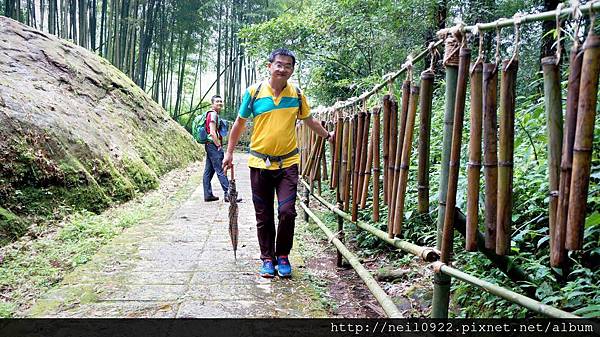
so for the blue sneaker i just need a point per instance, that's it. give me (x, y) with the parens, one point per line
(267, 270)
(284, 269)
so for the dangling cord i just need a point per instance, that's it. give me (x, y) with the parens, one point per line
(390, 87)
(515, 56)
(498, 57)
(479, 58)
(576, 14)
(558, 29)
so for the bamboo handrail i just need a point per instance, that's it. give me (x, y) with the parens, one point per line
(511, 296)
(389, 78)
(430, 254)
(503, 22)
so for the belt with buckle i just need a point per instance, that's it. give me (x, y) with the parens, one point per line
(269, 159)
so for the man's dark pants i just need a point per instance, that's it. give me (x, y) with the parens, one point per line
(265, 183)
(214, 164)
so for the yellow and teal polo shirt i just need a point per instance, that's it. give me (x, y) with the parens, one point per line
(274, 131)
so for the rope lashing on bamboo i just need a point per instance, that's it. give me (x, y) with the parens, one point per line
(452, 46)
(576, 15)
(408, 65)
(517, 43)
(503, 22)
(434, 55)
(480, 55)
(497, 55)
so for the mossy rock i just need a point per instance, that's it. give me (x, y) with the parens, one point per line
(77, 134)
(11, 226)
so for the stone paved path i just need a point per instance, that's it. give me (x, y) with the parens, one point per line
(182, 267)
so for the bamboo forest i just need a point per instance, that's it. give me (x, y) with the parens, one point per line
(429, 159)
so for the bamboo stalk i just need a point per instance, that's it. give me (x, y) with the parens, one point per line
(336, 153)
(357, 163)
(394, 182)
(392, 141)
(558, 253)
(403, 116)
(376, 168)
(454, 165)
(368, 169)
(553, 105)
(312, 154)
(426, 96)
(344, 162)
(584, 137)
(505, 155)
(386, 144)
(490, 159)
(474, 165)
(441, 282)
(324, 160)
(363, 187)
(393, 208)
(348, 177)
(406, 151)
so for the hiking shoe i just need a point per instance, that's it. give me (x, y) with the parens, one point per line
(284, 269)
(211, 198)
(267, 270)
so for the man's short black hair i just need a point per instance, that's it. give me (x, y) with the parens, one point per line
(212, 99)
(282, 52)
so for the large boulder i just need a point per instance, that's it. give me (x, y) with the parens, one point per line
(75, 132)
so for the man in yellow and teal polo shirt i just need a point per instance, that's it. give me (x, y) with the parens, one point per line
(275, 105)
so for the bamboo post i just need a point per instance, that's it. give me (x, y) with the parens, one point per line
(454, 165)
(392, 142)
(344, 162)
(474, 165)
(363, 187)
(376, 168)
(559, 254)
(490, 144)
(403, 116)
(394, 182)
(324, 159)
(425, 96)
(312, 155)
(506, 141)
(368, 169)
(584, 137)
(357, 161)
(553, 105)
(386, 142)
(336, 153)
(404, 165)
(348, 177)
(441, 286)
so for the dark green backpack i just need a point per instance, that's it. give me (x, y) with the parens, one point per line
(199, 128)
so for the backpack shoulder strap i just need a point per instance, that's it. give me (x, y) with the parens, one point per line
(299, 93)
(251, 103)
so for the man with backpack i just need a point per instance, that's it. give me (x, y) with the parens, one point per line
(275, 105)
(207, 131)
